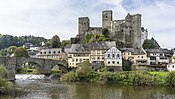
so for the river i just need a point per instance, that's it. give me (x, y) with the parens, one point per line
(38, 87)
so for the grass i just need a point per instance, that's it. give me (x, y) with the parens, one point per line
(163, 74)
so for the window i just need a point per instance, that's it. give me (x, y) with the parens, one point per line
(108, 55)
(138, 56)
(76, 60)
(108, 62)
(40, 52)
(117, 62)
(172, 66)
(54, 52)
(113, 62)
(113, 55)
(58, 51)
(44, 52)
(49, 52)
(72, 60)
(142, 56)
(118, 55)
(80, 60)
(98, 58)
(106, 16)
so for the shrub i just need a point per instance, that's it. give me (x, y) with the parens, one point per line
(68, 77)
(170, 79)
(4, 84)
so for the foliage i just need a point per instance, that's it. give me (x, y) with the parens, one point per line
(55, 42)
(148, 44)
(170, 79)
(97, 37)
(26, 71)
(8, 40)
(4, 84)
(7, 51)
(68, 77)
(21, 52)
(83, 70)
(65, 42)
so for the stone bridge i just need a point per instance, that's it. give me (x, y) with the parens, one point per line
(44, 66)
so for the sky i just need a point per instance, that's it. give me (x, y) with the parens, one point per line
(47, 18)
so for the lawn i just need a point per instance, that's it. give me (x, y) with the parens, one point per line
(163, 74)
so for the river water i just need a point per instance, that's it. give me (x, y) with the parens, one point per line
(37, 87)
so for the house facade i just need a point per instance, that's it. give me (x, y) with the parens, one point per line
(97, 52)
(171, 66)
(113, 59)
(135, 55)
(77, 53)
(52, 53)
(157, 57)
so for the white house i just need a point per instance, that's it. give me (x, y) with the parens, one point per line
(171, 66)
(113, 59)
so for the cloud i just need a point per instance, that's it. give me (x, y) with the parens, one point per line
(49, 17)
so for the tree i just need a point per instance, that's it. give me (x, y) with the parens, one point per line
(55, 42)
(65, 42)
(21, 52)
(83, 70)
(98, 37)
(148, 44)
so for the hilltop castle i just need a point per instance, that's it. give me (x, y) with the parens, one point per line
(127, 31)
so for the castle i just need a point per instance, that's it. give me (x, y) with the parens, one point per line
(127, 31)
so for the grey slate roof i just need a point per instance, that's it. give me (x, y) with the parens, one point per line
(134, 51)
(102, 45)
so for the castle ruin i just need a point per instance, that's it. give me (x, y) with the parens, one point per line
(127, 31)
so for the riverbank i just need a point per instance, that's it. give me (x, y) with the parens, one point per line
(136, 78)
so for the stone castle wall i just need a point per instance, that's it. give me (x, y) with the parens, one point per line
(128, 31)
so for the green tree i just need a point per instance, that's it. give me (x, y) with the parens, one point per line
(98, 37)
(55, 42)
(83, 70)
(148, 44)
(65, 42)
(21, 52)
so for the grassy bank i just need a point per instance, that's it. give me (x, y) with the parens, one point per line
(139, 78)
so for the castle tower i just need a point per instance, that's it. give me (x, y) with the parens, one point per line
(106, 19)
(136, 29)
(83, 26)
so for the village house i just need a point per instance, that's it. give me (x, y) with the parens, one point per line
(135, 55)
(157, 59)
(52, 53)
(77, 53)
(113, 59)
(97, 52)
(171, 66)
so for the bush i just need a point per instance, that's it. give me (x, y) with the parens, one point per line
(170, 79)
(83, 70)
(68, 77)
(4, 84)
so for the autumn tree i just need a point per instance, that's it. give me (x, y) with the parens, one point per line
(55, 42)
(21, 52)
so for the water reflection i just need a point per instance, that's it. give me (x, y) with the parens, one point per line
(47, 89)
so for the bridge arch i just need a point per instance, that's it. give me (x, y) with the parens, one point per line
(61, 65)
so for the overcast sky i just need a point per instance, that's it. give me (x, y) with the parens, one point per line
(49, 17)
